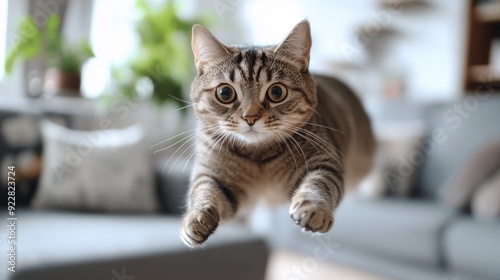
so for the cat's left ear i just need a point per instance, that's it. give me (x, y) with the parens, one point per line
(207, 49)
(297, 46)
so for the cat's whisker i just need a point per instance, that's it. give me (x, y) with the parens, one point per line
(180, 156)
(313, 124)
(186, 161)
(206, 137)
(323, 145)
(189, 155)
(182, 133)
(186, 138)
(323, 141)
(182, 145)
(312, 135)
(190, 136)
(173, 137)
(301, 150)
(244, 144)
(284, 138)
(314, 110)
(181, 108)
(226, 135)
(231, 141)
(234, 141)
(182, 100)
(178, 148)
(277, 139)
(320, 140)
(327, 149)
(218, 139)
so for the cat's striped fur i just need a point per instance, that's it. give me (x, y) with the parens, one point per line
(303, 150)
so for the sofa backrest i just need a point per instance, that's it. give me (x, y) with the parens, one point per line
(456, 131)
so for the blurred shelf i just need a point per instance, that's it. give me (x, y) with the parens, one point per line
(484, 74)
(54, 105)
(407, 5)
(483, 28)
(488, 13)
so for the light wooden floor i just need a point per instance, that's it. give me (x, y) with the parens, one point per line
(285, 265)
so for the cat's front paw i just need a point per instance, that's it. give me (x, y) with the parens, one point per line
(198, 225)
(311, 216)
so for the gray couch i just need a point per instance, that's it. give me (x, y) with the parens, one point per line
(53, 245)
(417, 237)
(62, 245)
(401, 238)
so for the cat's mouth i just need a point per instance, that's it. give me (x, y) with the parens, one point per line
(252, 135)
(250, 132)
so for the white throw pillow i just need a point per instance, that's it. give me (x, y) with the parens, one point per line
(458, 192)
(486, 199)
(105, 170)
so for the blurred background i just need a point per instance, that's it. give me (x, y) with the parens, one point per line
(96, 121)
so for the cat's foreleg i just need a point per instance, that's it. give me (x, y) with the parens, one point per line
(208, 203)
(317, 195)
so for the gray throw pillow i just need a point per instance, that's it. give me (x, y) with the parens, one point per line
(106, 170)
(395, 165)
(458, 191)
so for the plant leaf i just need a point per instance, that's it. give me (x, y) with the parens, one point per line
(52, 35)
(27, 43)
(86, 48)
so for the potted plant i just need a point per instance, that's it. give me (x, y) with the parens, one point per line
(163, 63)
(64, 60)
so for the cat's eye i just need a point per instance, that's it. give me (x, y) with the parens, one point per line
(225, 93)
(277, 92)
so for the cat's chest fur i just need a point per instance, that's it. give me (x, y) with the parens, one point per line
(266, 175)
(269, 185)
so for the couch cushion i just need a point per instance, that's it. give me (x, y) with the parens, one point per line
(399, 228)
(101, 170)
(456, 130)
(473, 246)
(57, 245)
(476, 171)
(486, 200)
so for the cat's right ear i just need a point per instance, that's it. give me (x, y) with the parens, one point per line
(207, 49)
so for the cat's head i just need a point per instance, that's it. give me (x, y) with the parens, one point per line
(253, 94)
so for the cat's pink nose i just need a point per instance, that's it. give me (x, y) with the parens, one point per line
(250, 119)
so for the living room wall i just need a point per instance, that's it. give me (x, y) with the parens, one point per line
(425, 42)
(429, 34)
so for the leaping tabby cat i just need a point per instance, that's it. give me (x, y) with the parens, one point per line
(270, 130)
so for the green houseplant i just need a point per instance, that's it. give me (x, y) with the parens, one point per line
(164, 58)
(64, 60)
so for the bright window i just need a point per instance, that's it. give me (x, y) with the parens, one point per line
(113, 39)
(3, 34)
